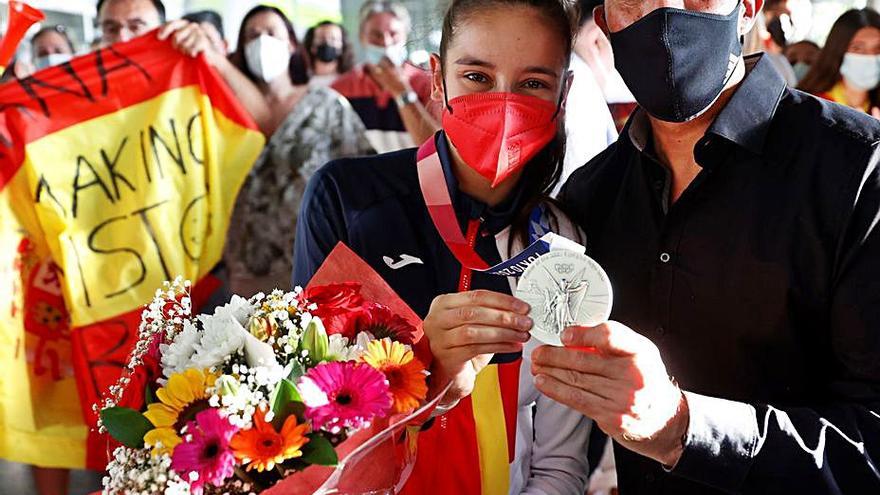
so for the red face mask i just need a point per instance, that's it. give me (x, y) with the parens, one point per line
(496, 134)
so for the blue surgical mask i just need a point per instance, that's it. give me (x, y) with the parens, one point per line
(800, 70)
(396, 54)
(51, 59)
(861, 71)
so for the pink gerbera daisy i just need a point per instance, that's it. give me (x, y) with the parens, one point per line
(204, 456)
(344, 395)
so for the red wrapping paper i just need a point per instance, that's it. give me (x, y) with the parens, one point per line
(379, 459)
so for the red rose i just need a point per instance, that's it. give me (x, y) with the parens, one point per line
(382, 323)
(337, 306)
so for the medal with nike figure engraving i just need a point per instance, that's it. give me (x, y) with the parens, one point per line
(564, 288)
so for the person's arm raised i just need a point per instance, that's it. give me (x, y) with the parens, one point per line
(190, 39)
(417, 120)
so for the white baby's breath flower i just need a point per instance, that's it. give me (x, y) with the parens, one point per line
(137, 472)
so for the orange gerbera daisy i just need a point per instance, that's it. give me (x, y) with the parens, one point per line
(261, 447)
(405, 374)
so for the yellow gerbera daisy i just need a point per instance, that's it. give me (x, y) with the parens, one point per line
(404, 372)
(182, 397)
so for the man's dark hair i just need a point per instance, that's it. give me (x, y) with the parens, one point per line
(209, 16)
(160, 7)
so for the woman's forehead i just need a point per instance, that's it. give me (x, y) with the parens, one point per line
(526, 39)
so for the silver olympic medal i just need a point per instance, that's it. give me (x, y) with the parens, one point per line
(564, 288)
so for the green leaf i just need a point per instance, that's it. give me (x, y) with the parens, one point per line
(126, 425)
(284, 393)
(149, 396)
(285, 401)
(297, 370)
(319, 451)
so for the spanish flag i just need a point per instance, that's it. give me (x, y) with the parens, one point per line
(118, 171)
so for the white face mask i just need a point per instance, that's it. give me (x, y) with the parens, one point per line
(267, 57)
(52, 59)
(861, 71)
(396, 54)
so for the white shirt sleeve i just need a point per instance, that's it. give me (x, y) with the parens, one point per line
(589, 127)
(560, 435)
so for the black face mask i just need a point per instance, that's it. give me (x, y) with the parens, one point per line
(677, 62)
(326, 53)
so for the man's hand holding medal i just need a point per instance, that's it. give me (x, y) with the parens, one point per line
(615, 376)
(601, 368)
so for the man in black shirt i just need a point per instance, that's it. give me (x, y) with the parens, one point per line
(739, 222)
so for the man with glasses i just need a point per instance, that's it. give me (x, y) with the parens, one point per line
(123, 20)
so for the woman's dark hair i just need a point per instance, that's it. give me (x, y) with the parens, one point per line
(298, 68)
(585, 10)
(346, 58)
(825, 72)
(59, 29)
(545, 169)
(209, 16)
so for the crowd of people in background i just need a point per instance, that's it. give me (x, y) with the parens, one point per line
(844, 71)
(315, 103)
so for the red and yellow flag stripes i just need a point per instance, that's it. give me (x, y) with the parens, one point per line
(118, 171)
(468, 450)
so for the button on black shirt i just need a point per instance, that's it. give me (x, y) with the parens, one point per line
(760, 286)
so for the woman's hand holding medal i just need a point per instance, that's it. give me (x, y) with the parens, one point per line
(616, 376)
(465, 330)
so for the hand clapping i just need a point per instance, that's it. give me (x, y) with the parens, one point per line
(389, 77)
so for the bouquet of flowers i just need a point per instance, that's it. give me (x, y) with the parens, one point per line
(259, 391)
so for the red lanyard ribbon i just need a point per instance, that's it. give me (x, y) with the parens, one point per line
(432, 181)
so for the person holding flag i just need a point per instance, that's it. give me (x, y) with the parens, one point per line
(488, 172)
(124, 20)
(118, 171)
